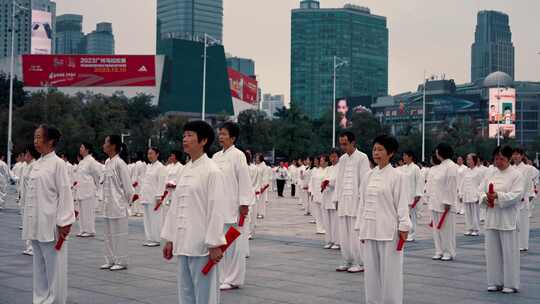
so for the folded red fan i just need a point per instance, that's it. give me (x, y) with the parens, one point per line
(400, 244)
(134, 198)
(491, 190)
(231, 235)
(135, 184)
(160, 202)
(241, 220)
(324, 184)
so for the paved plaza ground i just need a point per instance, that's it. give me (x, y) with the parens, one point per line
(287, 265)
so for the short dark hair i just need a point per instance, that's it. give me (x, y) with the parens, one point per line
(178, 154)
(32, 150)
(260, 157)
(389, 143)
(155, 149)
(51, 133)
(445, 150)
(326, 159)
(335, 151)
(410, 153)
(232, 128)
(119, 146)
(203, 131)
(519, 151)
(88, 146)
(249, 157)
(434, 159)
(505, 151)
(350, 136)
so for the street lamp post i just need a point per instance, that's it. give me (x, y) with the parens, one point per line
(338, 62)
(14, 5)
(207, 38)
(424, 120)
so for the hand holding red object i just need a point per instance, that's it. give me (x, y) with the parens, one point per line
(171, 185)
(134, 198)
(491, 193)
(324, 184)
(160, 202)
(241, 220)
(231, 235)
(400, 244)
(441, 222)
(135, 184)
(431, 224)
(63, 233)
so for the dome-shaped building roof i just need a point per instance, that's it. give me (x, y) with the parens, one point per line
(498, 79)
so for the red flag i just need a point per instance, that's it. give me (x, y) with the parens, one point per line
(441, 222)
(231, 235)
(491, 190)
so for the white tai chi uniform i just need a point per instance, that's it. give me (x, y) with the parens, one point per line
(87, 178)
(24, 181)
(306, 200)
(137, 174)
(49, 204)
(483, 171)
(350, 174)
(17, 176)
(302, 195)
(442, 182)
(264, 177)
(4, 181)
(413, 187)
(317, 178)
(468, 194)
(194, 223)
(524, 206)
(329, 212)
(460, 207)
(117, 194)
(293, 178)
(254, 178)
(502, 251)
(153, 186)
(383, 210)
(238, 191)
(173, 172)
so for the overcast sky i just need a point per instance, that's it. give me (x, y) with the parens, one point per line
(431, 35)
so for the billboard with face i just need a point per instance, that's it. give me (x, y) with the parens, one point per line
(502, 112)
(41, 42)
(347, 106)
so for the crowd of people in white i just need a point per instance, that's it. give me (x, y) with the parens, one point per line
(366, 207)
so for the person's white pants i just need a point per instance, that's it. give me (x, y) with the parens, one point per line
(383, 275)
(152, 223)
(351, 248)
(502, 258)
(317, 214)
(193, 286)
(524, 228)
(444, 238)
(232, 269)
(87, 215)
(116, 241)
(50, 273)
(472, 216)
(329, 219)
(413, 216)
(261, 205)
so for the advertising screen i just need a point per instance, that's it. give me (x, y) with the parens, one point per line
(347, 106)
(242, 87)
(502, 112)
(41, 42)
(89, 70)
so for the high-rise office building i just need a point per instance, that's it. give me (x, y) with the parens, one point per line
(245, 66)
(492, 49)
(34, 27)
(100, 41)
(351, 33)
(69, 34)
(190, 19)
(272, 103)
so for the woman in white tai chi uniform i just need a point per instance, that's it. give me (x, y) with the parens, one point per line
(329, 215)
(383, 220)
(468, 195)
(87, 178)
(117, 195)
(48, 216)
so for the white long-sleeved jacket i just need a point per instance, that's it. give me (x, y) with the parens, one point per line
(528, 183)
(195, 222)
(351, 171)
(24, 181)
(329, 194)
(153, 183)
(238, 191)
(508, 185)
(317, 177)
(469, 183)
(117, 189)
(87, 177)
(442, 185)
(49, 202)
(384, 207)
(413, 182)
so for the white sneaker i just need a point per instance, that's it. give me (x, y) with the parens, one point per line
(225, 286)
(355, 269)
(328, 246)
(153, 244)
(410, 239)
(446, 257)
(468, 233)
(118, 267)
(335, 247)
(436, 257)
(28, 252)
(343, 268)
(494, 288)
(475, 233)
(321, 232)
(312, 222)
(106, 266)
(509, 290)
